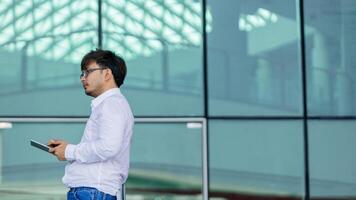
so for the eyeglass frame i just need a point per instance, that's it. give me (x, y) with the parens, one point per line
(85, 73)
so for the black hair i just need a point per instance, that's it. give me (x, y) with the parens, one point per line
(107, 59)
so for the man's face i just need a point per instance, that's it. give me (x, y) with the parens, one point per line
(93, 79)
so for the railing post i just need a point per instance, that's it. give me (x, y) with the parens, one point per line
(123, 192)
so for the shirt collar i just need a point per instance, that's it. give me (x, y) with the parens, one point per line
(95, 102)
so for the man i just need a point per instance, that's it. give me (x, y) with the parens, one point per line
(98, 165)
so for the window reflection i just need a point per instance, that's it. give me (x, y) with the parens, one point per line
(330, 59)
(255, 158)
(43, 42)
(332, 162)
(254, 65)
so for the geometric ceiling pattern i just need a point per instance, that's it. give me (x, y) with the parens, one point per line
(65, 29)
(261, 18)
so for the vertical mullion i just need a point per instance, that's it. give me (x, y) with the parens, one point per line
(206, 102)
(100, 32)
(305, 101)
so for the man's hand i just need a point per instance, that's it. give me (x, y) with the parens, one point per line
(58, 147)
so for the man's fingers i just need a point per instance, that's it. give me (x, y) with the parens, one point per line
(57, 148)
(50, 142)
(54, 142)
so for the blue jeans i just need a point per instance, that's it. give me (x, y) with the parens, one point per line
(88, 193)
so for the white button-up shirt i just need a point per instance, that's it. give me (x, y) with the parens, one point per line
(101, 159)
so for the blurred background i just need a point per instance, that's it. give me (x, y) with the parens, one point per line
(233, 99)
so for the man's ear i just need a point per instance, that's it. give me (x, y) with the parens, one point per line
(108, 74)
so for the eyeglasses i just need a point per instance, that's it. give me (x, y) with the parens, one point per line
(85, 73)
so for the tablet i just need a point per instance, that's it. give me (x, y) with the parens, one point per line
(40, 145)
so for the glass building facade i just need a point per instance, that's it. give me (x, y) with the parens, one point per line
(233, 99)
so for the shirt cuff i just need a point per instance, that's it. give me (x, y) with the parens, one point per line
(69, 153)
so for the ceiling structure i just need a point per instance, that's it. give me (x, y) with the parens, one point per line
(65, 29)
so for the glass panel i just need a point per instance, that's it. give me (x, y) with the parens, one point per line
(29, 173)
(330, 47)
(165, 161)
(161, 42)
(253, 58)
(256, 159)
(41, 45)
(332, 159)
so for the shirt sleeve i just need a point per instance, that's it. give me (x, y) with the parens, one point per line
(111, 122)
(69, 152)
